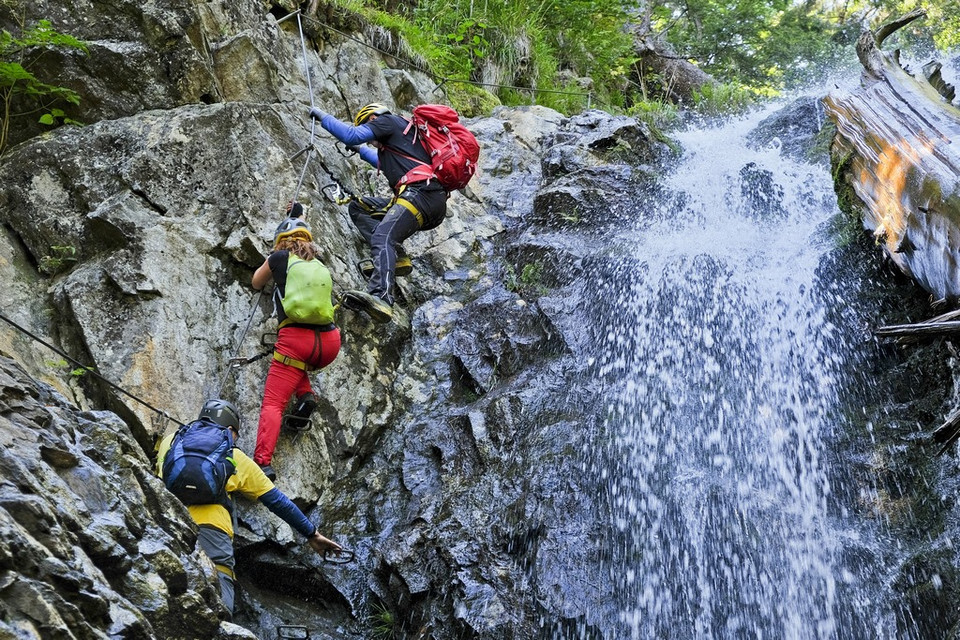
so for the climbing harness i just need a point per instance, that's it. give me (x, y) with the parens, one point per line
(292, 362)
(91, 370)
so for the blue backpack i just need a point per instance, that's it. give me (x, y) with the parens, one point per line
(199, 462)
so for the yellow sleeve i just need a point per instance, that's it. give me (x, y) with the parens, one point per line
(162, 449)
(249, 480)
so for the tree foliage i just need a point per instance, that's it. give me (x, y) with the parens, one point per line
(779, 43)
(19, 54)
(566, 53)
(562, 53)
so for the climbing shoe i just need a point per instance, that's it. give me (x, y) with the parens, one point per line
(298, 420)
(268, 471)
(376, 308)
(403, 267)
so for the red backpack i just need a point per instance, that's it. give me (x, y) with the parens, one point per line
(453, 150)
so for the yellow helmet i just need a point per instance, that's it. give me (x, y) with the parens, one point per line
(372, 109)
(292, 227)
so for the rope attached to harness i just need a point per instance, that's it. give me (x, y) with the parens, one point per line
(313, 124)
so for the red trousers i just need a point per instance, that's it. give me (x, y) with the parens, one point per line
(317, 349)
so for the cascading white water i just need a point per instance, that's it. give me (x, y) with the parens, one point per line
(722, 368)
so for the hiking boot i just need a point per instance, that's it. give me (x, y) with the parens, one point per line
(376, 308)
(402, 267)
(298, 420)
(268, 471)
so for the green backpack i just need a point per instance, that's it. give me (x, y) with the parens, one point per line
(307, 294)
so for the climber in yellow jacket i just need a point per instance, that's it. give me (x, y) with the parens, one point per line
(215, 521)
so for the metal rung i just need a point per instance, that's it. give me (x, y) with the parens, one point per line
(344, 556)
(309, 147)
(292, 632)
(289, 419)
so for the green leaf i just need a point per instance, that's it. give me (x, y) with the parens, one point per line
(44, 35)
(47, 118)
(12, 72)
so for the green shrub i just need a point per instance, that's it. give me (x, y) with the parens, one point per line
(722, 99)
(658, 114)
(21, 52)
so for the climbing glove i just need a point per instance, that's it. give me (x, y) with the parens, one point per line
(317, 114)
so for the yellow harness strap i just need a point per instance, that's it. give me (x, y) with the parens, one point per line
(227, 571)
(279, 357)
(412, 209)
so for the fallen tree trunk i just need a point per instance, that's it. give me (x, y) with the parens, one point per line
(919, 329)
(898, 148)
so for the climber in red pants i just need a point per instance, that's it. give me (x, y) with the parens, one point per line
(307, 338)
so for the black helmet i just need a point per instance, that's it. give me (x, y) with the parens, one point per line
(372, 109)
(221, 412)
(290, 227)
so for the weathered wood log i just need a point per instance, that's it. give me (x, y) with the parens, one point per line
(919, 329)
(932, 72)
(896, 24)
(945, 431)
(905, 335)
(948, 432)
(898, 147)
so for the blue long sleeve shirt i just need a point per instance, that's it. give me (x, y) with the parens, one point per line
(284, 508)
(353, 136)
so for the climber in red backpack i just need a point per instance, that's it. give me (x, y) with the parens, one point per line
(421, 180)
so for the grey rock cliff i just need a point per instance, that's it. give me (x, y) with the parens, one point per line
(91, 544)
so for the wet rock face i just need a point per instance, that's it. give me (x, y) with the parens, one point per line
(795, 131)
(90, 542)
(595, 166)
(762, 196)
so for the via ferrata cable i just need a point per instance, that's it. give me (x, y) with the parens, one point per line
(236, 349)
(86, 368)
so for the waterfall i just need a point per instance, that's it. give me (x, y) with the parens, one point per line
(722, 369)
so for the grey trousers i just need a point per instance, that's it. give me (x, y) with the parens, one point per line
(219, 547)
(398, 223)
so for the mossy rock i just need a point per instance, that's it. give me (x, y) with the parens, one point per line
(471, 101)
